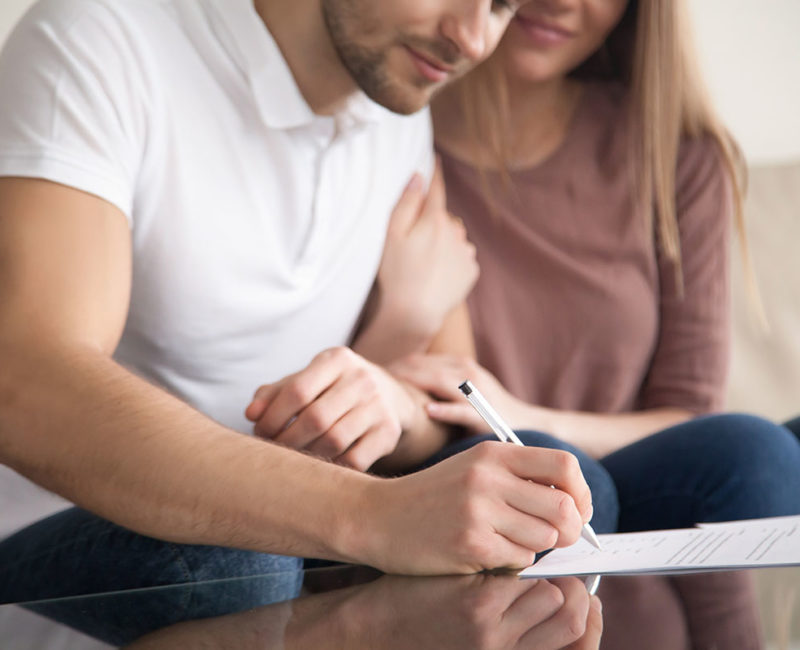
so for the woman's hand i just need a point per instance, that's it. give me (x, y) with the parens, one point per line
(598, 434)
(427, 270)
(440, 376)
(428, 265)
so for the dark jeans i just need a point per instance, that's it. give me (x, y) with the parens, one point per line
(712, 468)
(794, 426)
(75, 552)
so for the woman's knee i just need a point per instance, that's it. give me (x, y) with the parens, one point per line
(753, 463)
(794, 426)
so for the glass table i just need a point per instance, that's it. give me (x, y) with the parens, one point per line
(357, 607)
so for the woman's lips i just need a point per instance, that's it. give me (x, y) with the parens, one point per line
(543, 33)
(431, 71)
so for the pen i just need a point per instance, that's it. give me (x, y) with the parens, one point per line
(592, 582)
(505, 434)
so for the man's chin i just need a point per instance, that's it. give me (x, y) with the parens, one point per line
(406, 101)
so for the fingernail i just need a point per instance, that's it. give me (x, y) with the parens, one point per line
(591, 513)
(415, 184)
(596, 604)
(432, 408)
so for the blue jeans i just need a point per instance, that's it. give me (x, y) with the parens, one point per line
(712, 468)
(75, 552)
(794, 426)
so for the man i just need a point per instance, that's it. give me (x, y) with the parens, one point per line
(193, 205)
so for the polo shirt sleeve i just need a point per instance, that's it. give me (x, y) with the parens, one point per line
(690, 365)
(72, 101)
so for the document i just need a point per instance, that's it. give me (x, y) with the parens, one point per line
(729, 545)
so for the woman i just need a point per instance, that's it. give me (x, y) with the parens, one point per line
(599, 188)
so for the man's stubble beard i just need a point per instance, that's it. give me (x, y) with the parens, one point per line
(367, 67)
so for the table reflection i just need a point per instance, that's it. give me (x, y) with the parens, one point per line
(342, 608)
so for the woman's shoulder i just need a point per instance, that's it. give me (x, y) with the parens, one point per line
(697, 153)
(700, 166)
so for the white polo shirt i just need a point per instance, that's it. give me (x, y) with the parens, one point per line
(257, 226)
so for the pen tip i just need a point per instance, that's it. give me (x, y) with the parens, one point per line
(589, 535)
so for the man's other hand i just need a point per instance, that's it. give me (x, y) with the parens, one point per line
(340, 407)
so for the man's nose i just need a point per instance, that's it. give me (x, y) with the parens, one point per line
(465, 27)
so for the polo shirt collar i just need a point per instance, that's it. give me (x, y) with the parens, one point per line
(280, 102)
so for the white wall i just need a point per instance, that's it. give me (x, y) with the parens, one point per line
(750, 50)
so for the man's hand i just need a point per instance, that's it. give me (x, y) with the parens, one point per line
(488, 507)
(478, 612)
(340, 407)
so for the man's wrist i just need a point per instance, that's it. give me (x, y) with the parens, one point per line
(352, 528)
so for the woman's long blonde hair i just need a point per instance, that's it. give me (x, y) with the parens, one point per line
(650, 51)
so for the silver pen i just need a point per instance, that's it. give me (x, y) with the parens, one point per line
(505, 434)
(592, 582)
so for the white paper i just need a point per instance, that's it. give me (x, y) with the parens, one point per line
(737, 544)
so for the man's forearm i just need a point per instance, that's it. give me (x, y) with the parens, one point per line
(75, 422)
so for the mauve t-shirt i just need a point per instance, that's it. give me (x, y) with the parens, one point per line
(575, 308)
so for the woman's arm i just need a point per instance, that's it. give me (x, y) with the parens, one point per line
(427, 270)
(688, 369)
(456, 335)
(417, 305)
(598, 434)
